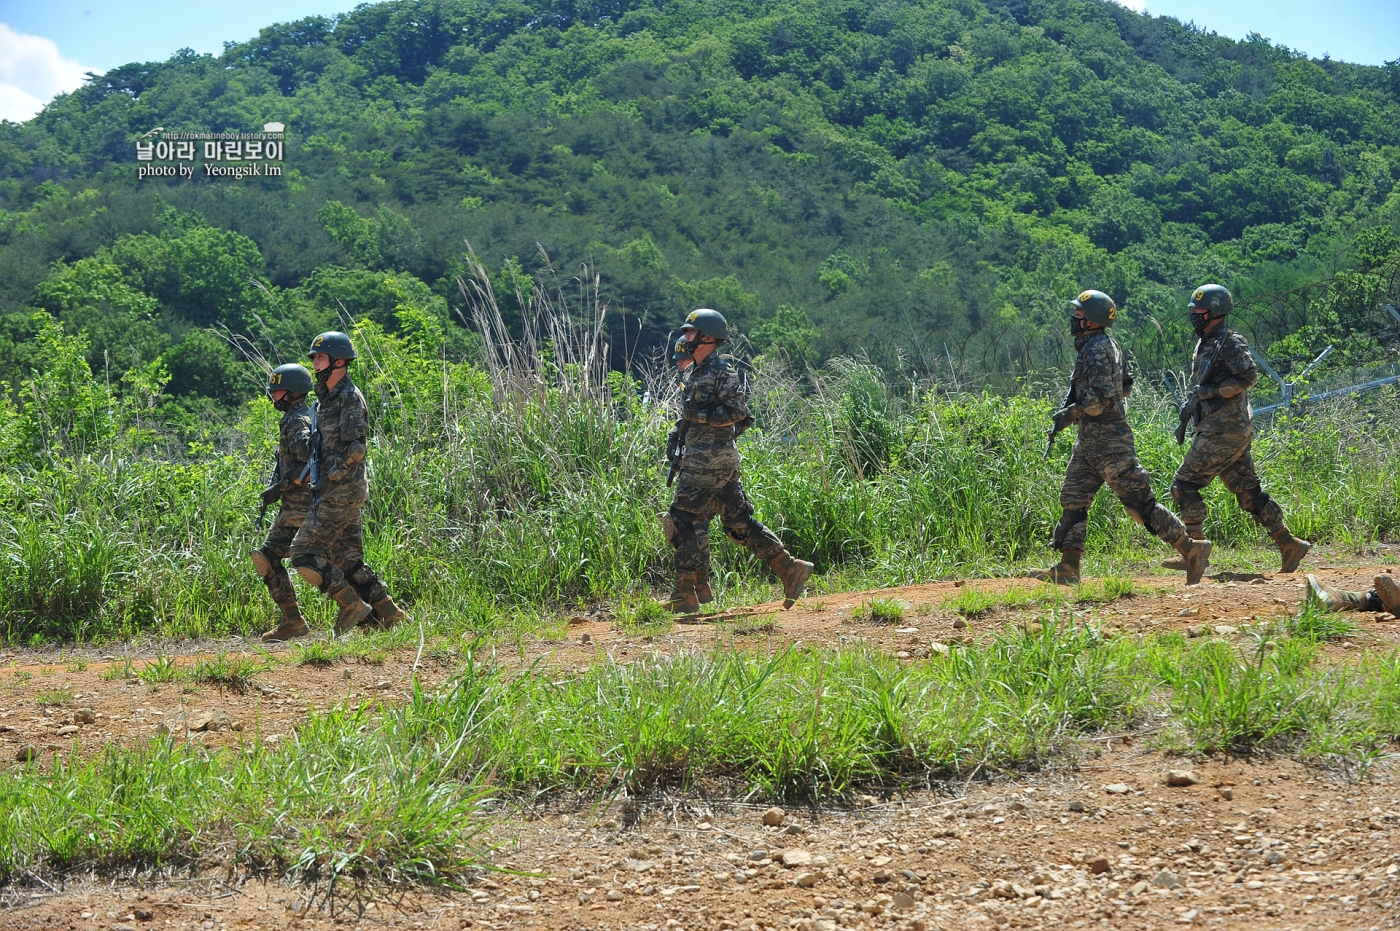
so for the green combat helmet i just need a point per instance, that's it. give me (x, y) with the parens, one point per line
(682, 350)
(1097, 307)
(1214, 298)
(334, 344)
(709, 322)
(291, 377)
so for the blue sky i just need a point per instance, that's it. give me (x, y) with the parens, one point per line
(47, 45)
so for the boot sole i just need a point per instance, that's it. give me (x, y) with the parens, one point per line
(1389, 593)
(791, 596)
(281, 637)
(261, 564)
(1194, 578)
(1293, 564)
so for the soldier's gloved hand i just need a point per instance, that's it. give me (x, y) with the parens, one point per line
(334, 472)
(1188, 410)
(1062, 418)
(271, 495)
(673, 445)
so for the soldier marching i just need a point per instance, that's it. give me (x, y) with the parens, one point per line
(321, 485)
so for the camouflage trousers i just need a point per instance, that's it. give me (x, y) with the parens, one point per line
(701, 495)
(1110, 460)
(331, 541)
(1229, 457)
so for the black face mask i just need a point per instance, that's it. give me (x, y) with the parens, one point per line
(1078, 326)
(1198, 323)
(287, 403)
(324, 375)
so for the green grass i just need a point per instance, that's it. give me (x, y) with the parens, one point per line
(880, 611)
(494, 507)
(1318, 625)
(162, 669)
(347, 802)
(396, 798)
(235, 673)
(321, 653)
(644, 617)
(53, 698)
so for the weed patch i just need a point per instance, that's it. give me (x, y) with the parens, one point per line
(644, 617)
(881, 611)
(1314, 623)
(162, 669)
(227, 672)
(53, 698)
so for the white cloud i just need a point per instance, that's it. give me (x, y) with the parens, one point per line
(16, 105)
(32, 72)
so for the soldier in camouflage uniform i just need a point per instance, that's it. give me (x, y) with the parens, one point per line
(287, 386)
(1104, 450)
(683, 355)
(714, 412)
(1218, 408)
(1385, 596)
(328, 550)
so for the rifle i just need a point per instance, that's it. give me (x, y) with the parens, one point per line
(313, 464)
(1057, 426)
(676, 455)
(1191, 407)
(274, 490)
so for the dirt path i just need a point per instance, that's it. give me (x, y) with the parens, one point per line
(1260, 845)
(1267, 846)
(48, 701)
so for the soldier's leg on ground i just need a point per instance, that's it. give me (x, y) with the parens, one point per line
(1133, 486)
(313, 551)
(736, 514)
(1208, 456)
(1337, 599)
(1071, 532)
(267, 562)
(350, 558)
(703, 593)
(1243, 482)
(686, 527)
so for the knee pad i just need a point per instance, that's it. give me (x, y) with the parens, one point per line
(1142, 511)
(359, 574)
(308, 567)
(668, 528)
(261, 564)
(1068, 521)
(1253, 500)
(739, 533)
(1181, 490)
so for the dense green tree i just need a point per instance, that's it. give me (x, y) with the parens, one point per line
(929, 174)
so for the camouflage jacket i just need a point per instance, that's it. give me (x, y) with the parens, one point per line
(715, 404)
(1098, 377)
(1225, 394)
(342, 420)
(293, 449)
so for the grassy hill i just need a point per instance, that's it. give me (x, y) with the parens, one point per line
(899, 178)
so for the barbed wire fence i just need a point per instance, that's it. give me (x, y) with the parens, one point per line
(1336, 336)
